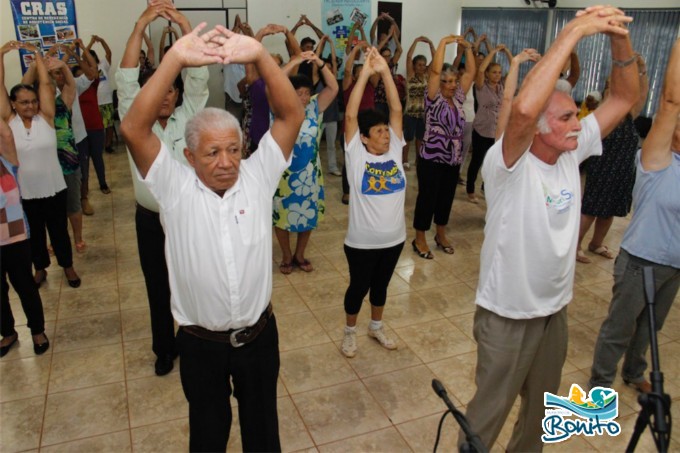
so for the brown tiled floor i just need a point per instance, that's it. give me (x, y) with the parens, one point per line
(95, 390)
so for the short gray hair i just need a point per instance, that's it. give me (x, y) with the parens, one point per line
(561, 86)
(209, 118)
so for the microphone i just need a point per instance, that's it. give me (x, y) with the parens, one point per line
(473, 442)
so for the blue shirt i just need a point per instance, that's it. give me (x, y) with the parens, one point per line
(653, 231)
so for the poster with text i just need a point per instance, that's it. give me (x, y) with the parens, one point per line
(43, 23)
(337, 17)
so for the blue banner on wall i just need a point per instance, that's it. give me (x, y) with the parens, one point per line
(43, 23)
(338, 16)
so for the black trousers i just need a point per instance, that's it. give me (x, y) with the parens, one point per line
(15, 263)
(49, 213)
(369, 270)
(436, 188)
(480, 145)
(151, 246)
(206, 368)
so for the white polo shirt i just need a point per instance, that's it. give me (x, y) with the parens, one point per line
(218, 249)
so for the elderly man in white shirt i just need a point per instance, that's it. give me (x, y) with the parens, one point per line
(217, 220)
(533, 195)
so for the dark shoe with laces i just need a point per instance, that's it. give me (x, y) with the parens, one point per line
(41, 348)
(165, 364)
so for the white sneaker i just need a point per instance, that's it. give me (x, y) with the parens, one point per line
(407, 166)
(349, 344)
(382, 338)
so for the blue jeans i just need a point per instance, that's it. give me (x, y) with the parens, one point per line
(626, 329)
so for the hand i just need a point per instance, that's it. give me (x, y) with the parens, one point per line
(309, 57)
(376, 62)
(177, 17)
(482, 37)
(155, 9)
(30, 47)
(450, 39)
(164, 6)
(53, 63)
(600, 19)
(192, 50)
(527, 55)
(247, 29)
(78, 43)
(9, 46)
(501, 47)
(53, 50)
(230, 47)
(464, 43)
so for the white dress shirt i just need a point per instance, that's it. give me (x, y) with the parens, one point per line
(218, 249)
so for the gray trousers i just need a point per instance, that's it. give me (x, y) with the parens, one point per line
(515, 357)
(626, 329)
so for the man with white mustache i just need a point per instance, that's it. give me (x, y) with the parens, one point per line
(533, 194)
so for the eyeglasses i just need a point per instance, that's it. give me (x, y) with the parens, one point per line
(31, 102)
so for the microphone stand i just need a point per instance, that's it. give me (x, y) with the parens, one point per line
(656, 406)
(472, 441)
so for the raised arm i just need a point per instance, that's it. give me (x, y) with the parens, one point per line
(398, 49)
(87, 63)
(644, 87)
(283, 101)
(624, 88)
(45, 88)
(481, 70)
(330, 89)
(144, 145)
(7, 148)
(470, 31)
(506, 52)
(380, 66)
(134, 43)
(5, 106)
(656, 149)
(349, 64)
(68, 92)
(169, 30)
(354, 101)
(150, 55)
(468, 76)
(574, 69)
(540, 82)
(105, 46)
(511, 79)
(317, 30)
(435, 70)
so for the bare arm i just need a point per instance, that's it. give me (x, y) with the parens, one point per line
(392, 95)
(436, 66)
(349, 65)
(87, 63)
(316, 29)
(150, 55)
(283, 101)
(540, 82)
(398, 49)
(574, 69)
(143, 144)
(7, 148)
(511, 87)
(68, 92)
(105, 46)
(656, 149)
(409, 58)
(134, 43)
(481, 70)
(374, 28)
(468, 77)
(45, 88)
(644, 87)
(5, 106)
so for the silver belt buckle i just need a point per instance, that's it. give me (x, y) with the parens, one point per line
(232, 338)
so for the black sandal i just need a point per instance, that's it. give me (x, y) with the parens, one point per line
(425, 255)
(446, 248)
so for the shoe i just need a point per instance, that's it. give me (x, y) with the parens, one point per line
(109, 149)
(285, 268)
(349, 344)
(581, 257)
(41, 348)
(164, 364)
(382, 338)
(336, 173)
(602, 250)
(642, 387)
(5, 349)
(86, 206)
(407, 166)
(425, 255)
(40, 277)
(472, 198)
(446, 248)
(461, 182)
(345, 198)
(305, 264)
(75, 283)
(105, 190)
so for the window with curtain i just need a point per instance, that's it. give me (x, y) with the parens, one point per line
(652, 33)
(516, 28)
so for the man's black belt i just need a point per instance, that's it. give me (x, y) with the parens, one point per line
(234, 337)
(147, 211)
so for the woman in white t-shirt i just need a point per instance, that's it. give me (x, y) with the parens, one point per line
(377, 231)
